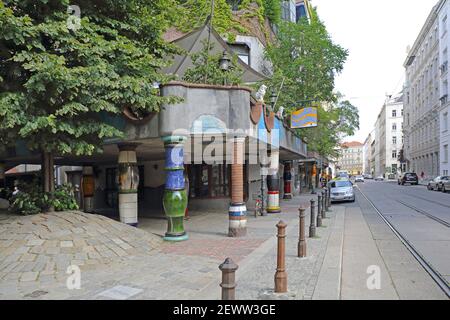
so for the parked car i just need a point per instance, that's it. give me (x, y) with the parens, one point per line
(408, 177)
(445, 184)
(341, 190)
(359, 179)
(368, 176)
(379, 178)
(436, 183)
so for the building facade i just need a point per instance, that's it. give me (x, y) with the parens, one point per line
(444, 47)
(389, 139)
(425, 93)
(351, 158)
(369, 143)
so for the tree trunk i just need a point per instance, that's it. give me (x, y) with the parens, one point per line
(48, 178)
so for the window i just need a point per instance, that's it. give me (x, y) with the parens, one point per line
(394, 140)
(394, 154)
(394, 113)
(394, 127)
(446, 153)
(445, 122)
(209, 181)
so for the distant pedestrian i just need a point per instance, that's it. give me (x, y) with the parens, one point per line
(422, 175)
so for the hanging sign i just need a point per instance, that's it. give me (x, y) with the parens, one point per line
(304, 118)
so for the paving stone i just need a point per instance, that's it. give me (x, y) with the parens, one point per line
(28, 257)
(29, 276)
(66, 244)
(35, 242)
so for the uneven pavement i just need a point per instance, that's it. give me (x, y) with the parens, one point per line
(121, 262)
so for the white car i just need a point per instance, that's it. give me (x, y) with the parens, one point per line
(341, 190)
(359, 179)
(379, 178)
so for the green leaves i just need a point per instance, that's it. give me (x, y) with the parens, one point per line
(206, 69)
(307, 60)
(57, 85)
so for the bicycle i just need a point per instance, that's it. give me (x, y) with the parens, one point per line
(258, 207)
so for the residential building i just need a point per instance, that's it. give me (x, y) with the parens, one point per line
(425, 93)
(444, 47)
(389, 141)
(368, 167)
(351, 158)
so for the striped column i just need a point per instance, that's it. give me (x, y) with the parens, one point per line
(273, 184)
(128, 184)
(287, 177)
(238, 210)
(175, 195)
(88, 187)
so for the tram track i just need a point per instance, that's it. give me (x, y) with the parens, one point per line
(436, 276)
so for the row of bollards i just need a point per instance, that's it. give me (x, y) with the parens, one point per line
(228, 267)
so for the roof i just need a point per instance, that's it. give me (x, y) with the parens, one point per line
(193, 42)
(352, 144)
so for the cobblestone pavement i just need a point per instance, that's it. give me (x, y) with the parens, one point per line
(118, 261)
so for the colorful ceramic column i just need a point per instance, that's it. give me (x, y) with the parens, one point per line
(88, 188)
(128, 184)
(273, 184)
(238, 210)
(175, 195)
(287, 177)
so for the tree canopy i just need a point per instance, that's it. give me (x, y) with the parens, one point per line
(56, 83)
(306, 60)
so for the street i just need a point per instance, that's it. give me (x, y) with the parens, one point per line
(420, 217)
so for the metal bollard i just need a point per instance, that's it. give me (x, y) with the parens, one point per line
(329, 198)
(319, 210)
(301, 239)
(324, 206)
(280, 275)
(312, 226)
(228, 268)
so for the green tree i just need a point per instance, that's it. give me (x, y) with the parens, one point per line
(58, 78)
(336, 120)
(206, 69)
(306, 60)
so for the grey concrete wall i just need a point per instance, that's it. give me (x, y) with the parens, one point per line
(229, 106)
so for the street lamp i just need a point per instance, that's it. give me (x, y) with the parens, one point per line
(273, 99)
(224, 61)
(224, 64)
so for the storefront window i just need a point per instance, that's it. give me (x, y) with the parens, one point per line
(209, 181)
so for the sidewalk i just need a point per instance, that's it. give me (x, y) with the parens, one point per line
(121, 262)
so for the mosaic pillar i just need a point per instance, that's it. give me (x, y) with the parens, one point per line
(313, 179)
(88, 187)
(287, 180)
(273, 184)
(238, 210)
(128, 184)
(175, 195)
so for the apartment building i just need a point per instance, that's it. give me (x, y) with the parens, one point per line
(368, 149)
(425, 93)
(444, 108)
(351, 158)
(389, 142)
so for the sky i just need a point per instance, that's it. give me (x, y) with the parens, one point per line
(377, 34)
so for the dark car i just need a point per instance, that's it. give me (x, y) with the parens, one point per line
(409, 177)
